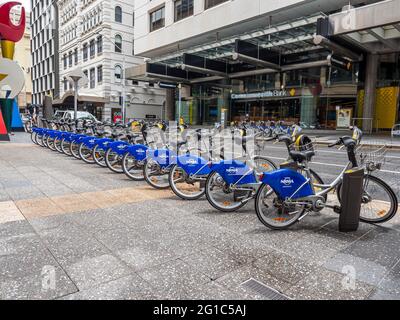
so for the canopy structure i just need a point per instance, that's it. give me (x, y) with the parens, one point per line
(81, 98)
(280, 48)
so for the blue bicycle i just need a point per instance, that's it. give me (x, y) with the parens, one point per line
(286, 196)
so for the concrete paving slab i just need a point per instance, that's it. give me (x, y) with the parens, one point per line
(70, 243)
(174, 278)
(130, 287)
(9, 212)
(50, 284)
(212, 262)
(323, 284)
(91, 271)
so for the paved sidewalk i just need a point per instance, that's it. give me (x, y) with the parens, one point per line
(69, 230)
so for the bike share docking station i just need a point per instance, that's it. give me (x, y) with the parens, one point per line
(351, 197)
(351, 192)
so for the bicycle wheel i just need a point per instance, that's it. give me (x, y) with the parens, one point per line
(65, 147)
(57, 145)
(273, 212)
(28, 126)
(85, 153)
(131, 168)
(43, 140)
(99, 156)
(263, 164)
(183, 186)
(379, 202)
(222, 197)
(155, 176)
(74, 149)
(50, 143)
(33, 137)
(113, 161)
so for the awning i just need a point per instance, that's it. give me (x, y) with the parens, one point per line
(278, 48)
(81, 98)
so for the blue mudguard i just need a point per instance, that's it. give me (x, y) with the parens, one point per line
(104, 143)
(235, 172)
(89, 142)
(138, 151)
(163, 157)
(194, 165)
(119, 147)
(288, 184)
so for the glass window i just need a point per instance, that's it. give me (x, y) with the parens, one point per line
(70, 59)
(99, 74)
(99, 45)
(76, 56)
(118, 14)
(92, 48)
(118, 43)
(157, 19)
(85, 52)
(85, 72)
(92, 78)
(133, 19)
(183, 9)
(118, 73)
(213, 3)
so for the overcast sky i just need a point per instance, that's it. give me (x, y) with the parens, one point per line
(25, 3)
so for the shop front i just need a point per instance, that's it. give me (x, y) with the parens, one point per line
(310, 111)
(314, 98)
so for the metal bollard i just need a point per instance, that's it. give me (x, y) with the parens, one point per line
(351, 196)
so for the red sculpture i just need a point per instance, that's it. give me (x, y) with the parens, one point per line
(8, 30)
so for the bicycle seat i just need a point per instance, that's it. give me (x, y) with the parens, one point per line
(301, 156)
(348, 141)
(133, 136)
(285, 138)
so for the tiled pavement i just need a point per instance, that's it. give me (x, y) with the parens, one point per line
(74, 231)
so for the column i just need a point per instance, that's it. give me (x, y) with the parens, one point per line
(170, 105)
(308, 111)
(371, 75)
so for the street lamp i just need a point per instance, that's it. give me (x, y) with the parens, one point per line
(76, 75)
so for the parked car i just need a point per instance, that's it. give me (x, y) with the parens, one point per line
(69, 114)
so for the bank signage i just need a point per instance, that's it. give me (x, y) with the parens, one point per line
(264, 94)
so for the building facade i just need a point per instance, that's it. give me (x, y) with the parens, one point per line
(23, 56)
(274, 60)
(44, 50)
(97, 36)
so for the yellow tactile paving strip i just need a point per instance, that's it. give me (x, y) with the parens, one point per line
(71, 203)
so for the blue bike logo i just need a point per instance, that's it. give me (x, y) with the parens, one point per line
(287, 181)
(232, 171)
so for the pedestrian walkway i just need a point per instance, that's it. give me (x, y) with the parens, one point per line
(69, 230)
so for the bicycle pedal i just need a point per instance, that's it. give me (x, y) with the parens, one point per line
(337, 209)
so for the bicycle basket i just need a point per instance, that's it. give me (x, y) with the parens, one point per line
(303, 143)
(373, 155)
